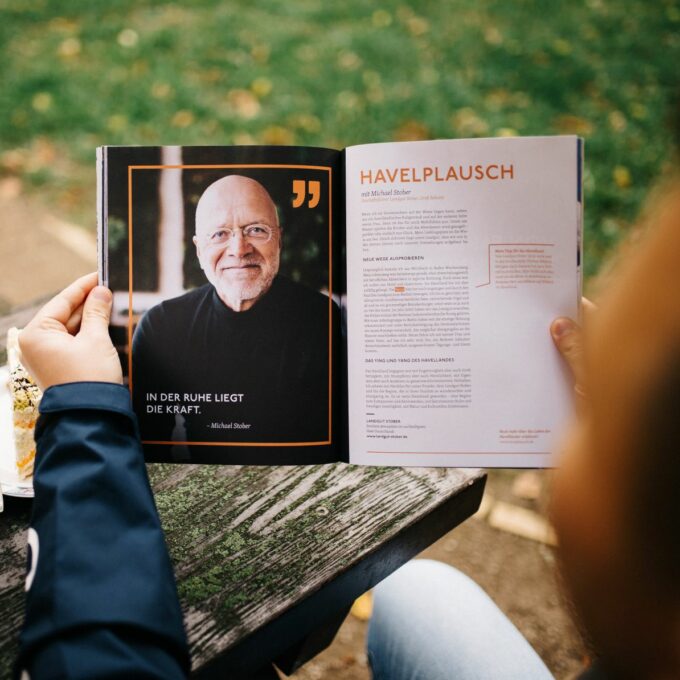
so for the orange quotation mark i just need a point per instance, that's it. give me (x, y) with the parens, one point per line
(300, 189)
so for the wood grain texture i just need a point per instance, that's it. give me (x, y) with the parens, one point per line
(250, 543)
(13, 526)
(247, 543)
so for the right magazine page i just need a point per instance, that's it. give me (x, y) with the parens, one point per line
(460, 253)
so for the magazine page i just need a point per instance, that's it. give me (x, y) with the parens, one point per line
(460, 253)
(225, 264)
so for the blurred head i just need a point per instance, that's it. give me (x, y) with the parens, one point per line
(617, 497)
(238, 240)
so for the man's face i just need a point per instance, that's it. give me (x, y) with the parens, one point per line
(238, 240)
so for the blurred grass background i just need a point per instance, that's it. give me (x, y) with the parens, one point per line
(80, 73)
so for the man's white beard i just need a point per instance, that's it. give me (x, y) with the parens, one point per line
(236, 293)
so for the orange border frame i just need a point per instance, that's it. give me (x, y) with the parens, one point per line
(330, 290)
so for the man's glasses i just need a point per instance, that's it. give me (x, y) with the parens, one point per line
(257, 234)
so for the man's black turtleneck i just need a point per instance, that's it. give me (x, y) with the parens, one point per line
(275, 354)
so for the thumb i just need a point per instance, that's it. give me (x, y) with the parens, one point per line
(566, 335)
(97, 311)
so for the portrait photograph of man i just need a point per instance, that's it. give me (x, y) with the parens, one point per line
(244, 353)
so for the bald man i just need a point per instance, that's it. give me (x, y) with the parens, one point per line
(247, 354)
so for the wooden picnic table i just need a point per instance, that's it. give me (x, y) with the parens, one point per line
(269, 559)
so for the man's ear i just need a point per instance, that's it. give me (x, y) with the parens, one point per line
(198, 248)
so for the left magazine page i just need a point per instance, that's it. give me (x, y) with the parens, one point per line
(227, 273)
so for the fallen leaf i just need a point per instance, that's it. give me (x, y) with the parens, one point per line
(381, 18)
(182, 119)
(522, 522)
(244, 139)
(260, 53)
(116, 122)
(347, 100)
(69, 48)
(622, 177)
(417, 25)
(349, 61)
(42, 101)
(244, 103)
(277, 135)
(527, 485)
(617, 121)
(128, 38)
(466, 122)
(160, 90)
(574, 125)
(411, 130)
(261, 87)
(562, 46)
(363, 607)
(306, 122)
(638, 110)
(493, 36)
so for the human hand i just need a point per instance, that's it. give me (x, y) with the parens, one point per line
(68, 339)
(568, 338)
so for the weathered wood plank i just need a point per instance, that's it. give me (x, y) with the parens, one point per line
(335, 594)
(251, 543)
(13, 526)
(248, 542)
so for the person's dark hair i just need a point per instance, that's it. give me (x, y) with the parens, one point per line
(655, 506)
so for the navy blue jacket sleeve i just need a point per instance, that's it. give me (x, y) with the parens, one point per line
(101, 598)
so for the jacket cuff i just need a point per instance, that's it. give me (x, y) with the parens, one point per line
(90, 396)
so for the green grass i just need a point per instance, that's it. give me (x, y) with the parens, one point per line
(79, 73)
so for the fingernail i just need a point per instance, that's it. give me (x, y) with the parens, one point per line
(101, 293)
(562, 326)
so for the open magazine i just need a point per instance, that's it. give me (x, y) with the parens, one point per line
(388, 304)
